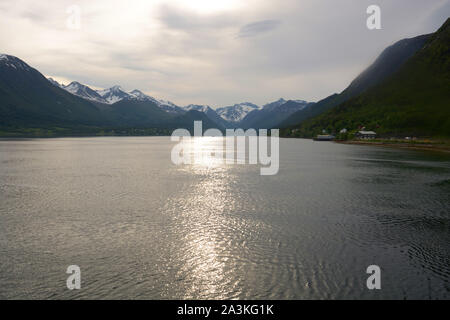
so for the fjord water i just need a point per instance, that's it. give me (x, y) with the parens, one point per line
(140, 227)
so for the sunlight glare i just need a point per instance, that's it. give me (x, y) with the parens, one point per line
(209, 6)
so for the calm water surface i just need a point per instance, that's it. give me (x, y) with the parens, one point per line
(142, 228)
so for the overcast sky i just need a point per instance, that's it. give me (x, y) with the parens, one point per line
(216, 52)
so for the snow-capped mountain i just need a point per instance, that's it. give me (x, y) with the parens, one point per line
(283, 104)
(163, 104)
(139, 95)
(237, 112)
(113, 94)
(244, 114)
(83, 91)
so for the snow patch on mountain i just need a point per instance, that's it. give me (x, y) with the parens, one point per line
(140, 96)
(277, 104)
(84, 91)
(167, 106)
(301, 101)
(167, 103)
(225, 115)
(198, 107)
(237, 112)
(113, 94)
(13, 62)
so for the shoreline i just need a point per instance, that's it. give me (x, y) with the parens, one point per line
(401, 145)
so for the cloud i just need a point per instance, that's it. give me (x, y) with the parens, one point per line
(179, 51)
(256, 28)
(188, 20)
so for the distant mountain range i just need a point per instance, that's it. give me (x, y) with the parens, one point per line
(241, 115)
(406, 92)
(115, 94)
(29, 100)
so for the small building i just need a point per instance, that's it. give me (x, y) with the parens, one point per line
(366, 135)
(343, 131)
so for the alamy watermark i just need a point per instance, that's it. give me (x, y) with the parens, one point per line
(74, 280)
(374, 20)
(374, 280)
(73, 21)
(239, 147)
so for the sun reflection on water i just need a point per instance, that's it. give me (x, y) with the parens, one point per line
(201, 213)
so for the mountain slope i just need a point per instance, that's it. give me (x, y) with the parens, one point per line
(187, 121)
(389, 61)
(145, 113)
(414, 101)
(210, 113)
(27, 98)
(136, 113)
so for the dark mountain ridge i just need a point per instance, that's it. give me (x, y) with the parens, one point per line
(413, 101)
(387, 63)
(29, 99)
